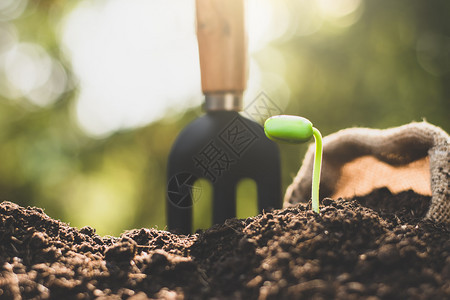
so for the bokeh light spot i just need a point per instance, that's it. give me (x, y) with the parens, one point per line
(33, 74)
(12, 9)
(27, 66)
(338, 8)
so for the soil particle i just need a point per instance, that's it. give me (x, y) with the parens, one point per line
(372, 247)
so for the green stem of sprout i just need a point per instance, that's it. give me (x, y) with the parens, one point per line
(316, 170)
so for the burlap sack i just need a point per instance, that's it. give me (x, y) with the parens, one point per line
(358, 160)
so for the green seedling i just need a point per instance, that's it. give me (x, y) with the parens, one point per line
(295, 130)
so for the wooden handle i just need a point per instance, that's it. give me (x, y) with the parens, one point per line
(222, 45)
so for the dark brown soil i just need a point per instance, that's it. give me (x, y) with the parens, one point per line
(348, 251)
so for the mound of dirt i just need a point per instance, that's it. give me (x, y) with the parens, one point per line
(372, 247)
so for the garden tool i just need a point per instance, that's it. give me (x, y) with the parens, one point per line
(221, 146)
(358, 160)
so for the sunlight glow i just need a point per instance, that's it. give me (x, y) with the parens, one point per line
(307, 20)
(267, 20)
(137, 60)
(134, 60)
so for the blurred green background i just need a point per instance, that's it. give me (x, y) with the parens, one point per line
(76, 145)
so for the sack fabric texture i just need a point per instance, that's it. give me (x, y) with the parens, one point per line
(358, 160)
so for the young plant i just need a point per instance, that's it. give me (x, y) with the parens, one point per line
(294, 129)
